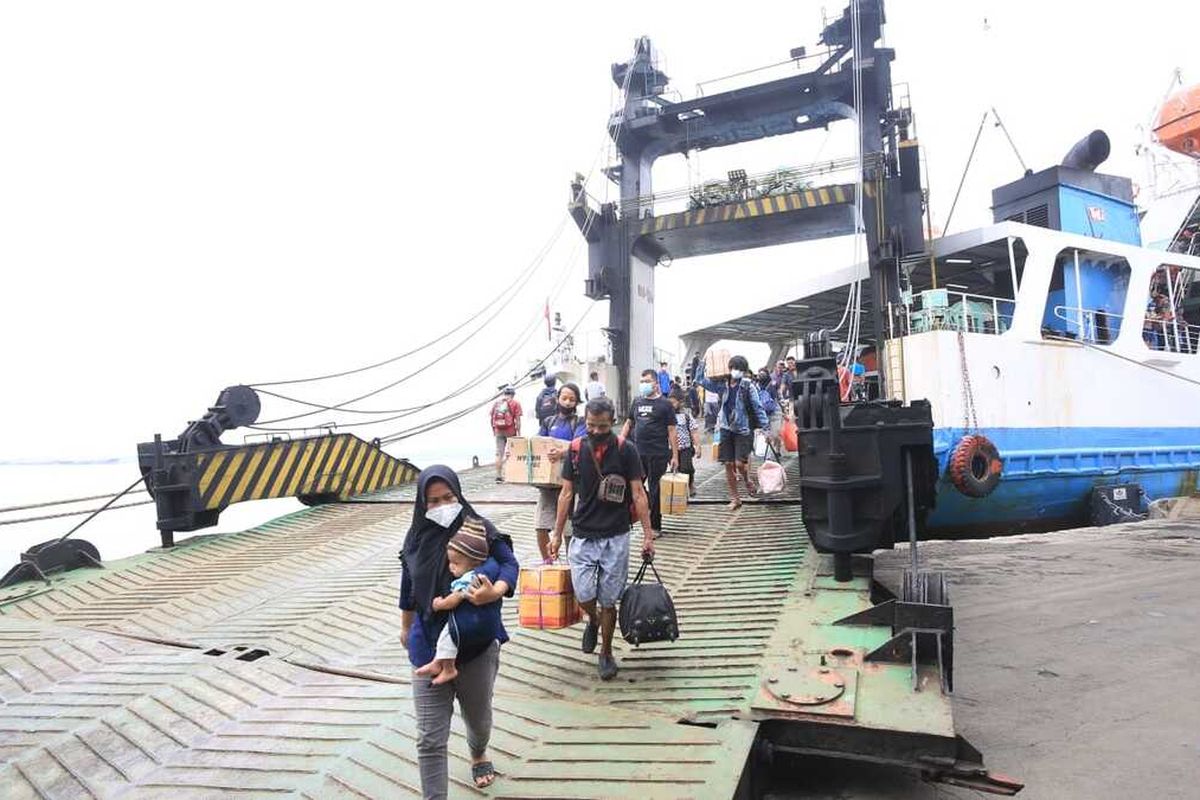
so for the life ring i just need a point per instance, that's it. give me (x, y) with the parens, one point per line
(975, 466)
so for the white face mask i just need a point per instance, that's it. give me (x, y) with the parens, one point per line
(736, 374)
(444, 515)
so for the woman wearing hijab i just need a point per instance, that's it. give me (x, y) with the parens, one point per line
(566, 425)
(438, 512)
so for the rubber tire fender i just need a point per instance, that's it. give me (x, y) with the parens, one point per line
(975, 466)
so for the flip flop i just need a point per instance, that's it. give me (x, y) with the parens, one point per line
(484, 769)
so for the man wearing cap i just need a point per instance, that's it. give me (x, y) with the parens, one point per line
(506, 422)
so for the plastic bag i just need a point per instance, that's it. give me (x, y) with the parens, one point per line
(790, 435)
(772, 478)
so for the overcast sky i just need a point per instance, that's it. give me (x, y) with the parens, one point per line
(199, 194)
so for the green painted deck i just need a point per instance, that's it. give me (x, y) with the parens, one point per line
(267, 663)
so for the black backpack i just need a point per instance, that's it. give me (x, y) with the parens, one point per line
(751, 417)
(647, 613)
(547, 404)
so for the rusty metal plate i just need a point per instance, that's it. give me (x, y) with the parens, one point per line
(804, 689)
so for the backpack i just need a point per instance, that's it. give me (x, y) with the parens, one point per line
(547, 404)
(769, 404)
(502, 415)
(647, 613)
(577, 448)
(751, 417)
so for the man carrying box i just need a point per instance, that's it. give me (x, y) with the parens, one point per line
(608, 471)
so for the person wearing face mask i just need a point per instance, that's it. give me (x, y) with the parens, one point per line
(740, 413)
(651, 426)
(566, 425)
(439, 513)
(605, 472)
(768, 390)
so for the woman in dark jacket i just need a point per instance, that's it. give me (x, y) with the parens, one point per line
(438, 513)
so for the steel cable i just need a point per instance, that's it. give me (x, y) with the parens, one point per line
(538, 259)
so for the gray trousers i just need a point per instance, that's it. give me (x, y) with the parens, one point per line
(434, 706)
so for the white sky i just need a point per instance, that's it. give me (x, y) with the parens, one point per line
(194, 195)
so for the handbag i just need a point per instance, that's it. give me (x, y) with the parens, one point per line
(647, 613)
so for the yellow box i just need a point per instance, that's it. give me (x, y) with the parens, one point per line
(526, 460)
(673, 493)
(545, 579)
(546, 598)
(716, 451)
(548, 611)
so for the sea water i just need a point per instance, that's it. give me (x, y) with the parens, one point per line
(123, 532)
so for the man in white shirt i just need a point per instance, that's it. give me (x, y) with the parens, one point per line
(594, 388)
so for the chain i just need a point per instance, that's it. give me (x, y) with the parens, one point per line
(970, 421)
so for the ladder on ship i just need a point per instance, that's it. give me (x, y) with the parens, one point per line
(893, 365)
(1187, 238)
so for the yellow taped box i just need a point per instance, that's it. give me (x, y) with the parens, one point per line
(527, 460)
(673, 493)
(545, 597)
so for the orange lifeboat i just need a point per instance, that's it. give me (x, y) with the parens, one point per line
(1177, 126)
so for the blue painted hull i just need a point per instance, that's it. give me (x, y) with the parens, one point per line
(1049, 474)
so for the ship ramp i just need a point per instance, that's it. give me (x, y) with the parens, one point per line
(268, 663)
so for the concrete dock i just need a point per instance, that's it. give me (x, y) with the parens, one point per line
(1077, 667)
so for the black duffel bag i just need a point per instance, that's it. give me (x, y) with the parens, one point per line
(647, 613)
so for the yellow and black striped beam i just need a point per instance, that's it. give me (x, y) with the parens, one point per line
(332, 467)
(816, 197)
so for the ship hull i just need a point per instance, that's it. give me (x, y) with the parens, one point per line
(1049, 474)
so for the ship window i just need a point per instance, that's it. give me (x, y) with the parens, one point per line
(974, 290)
(1086, 297)
(1172, 322)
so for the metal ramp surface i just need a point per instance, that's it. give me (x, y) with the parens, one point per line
(268, 663)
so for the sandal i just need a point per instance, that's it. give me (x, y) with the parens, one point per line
(484, 769)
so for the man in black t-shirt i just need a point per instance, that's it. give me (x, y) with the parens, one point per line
(606, 473)
(651, 426)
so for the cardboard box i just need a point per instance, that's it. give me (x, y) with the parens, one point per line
(546, 611)
(716, 362)
(716, 451)
(546, 598)
(545, 579)
(526, 460)
(673, 493)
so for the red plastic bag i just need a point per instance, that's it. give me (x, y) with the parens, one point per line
(790, 436)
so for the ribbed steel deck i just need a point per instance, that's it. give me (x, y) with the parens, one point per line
(268, 663)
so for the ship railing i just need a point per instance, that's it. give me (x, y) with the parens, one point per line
(951, 310)
(1089, 324)
(1170, 335)
(1101, 327)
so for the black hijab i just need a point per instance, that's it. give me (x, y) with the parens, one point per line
(424, 551)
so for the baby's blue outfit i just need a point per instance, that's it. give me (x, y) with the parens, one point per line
(463, 583)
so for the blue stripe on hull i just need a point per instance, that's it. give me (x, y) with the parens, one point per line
(1049, 474)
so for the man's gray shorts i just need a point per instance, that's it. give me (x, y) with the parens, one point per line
(599, 568)
(547, 509)
(501, 443)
